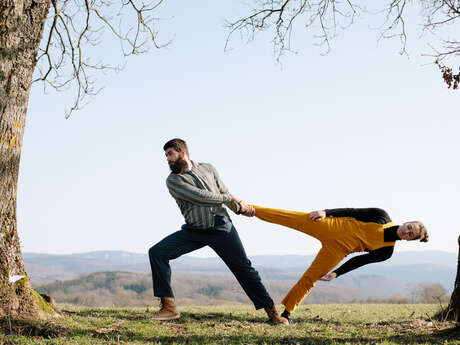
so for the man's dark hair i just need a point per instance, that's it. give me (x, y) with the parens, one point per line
(177, 144)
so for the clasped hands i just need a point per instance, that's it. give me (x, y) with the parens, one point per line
(245, 210)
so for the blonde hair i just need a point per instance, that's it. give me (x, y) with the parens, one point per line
(423, 233)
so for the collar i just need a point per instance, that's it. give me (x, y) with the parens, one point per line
(190, 167)
(390, 234)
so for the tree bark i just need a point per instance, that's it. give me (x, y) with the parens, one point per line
(21, 28)
(453, 310)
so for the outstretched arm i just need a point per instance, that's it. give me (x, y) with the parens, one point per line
(377, 255)
(375, 215)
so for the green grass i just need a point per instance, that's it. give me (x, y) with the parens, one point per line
(314, 324)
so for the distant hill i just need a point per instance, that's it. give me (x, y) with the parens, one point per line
(402, 269)
(122, 289)
(48, 267)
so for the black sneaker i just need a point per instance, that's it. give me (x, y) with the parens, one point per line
(287, 316)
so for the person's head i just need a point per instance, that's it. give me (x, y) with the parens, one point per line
(413, 231)
(176, 152)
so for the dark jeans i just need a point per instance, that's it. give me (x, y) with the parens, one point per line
(226, 244)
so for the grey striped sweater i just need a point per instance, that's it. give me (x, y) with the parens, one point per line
(200, 195)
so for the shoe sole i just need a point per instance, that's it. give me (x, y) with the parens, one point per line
(280, 324)
(166, 318)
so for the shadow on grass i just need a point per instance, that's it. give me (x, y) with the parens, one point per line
(128, 336)
(121, 314)
(438, 337)
(135, 315)
(32, 328)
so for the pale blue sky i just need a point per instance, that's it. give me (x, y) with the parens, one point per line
(362, 126)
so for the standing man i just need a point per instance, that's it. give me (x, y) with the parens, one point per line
(200, 195)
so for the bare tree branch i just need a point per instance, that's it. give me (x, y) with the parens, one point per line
(323, 17)
(75, 27)
(438, 14)
(394, 25)
(283, 15)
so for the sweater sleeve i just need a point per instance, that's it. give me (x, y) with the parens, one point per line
(220, 184)
(222, 188)
(377, 255)
(375, 215)
(182, 190)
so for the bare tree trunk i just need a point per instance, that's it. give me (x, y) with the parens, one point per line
(453, 310)
(21, 28)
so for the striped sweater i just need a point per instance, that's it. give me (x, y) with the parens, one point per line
(200, 195)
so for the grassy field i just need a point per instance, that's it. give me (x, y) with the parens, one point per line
(314, 324)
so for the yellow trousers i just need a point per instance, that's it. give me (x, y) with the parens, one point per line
(327, 231)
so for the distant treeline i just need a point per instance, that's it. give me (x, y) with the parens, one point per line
(127, 289)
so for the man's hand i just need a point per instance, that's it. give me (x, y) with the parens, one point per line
(317, 215)
(250, 212)
(328, 277)
(245, 209)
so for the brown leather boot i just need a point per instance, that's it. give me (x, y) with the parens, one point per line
(168, 310)
(274, 317)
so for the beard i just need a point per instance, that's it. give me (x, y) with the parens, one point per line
(178, 166)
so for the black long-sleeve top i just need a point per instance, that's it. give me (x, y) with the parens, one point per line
(374, 215)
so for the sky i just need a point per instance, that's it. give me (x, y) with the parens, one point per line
(361, 126)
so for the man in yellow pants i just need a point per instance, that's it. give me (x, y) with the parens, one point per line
(341, 231)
